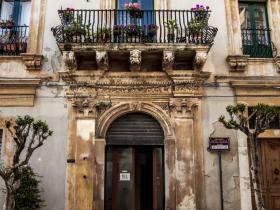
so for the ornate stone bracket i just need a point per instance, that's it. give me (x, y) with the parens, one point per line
(237, 63)
(168, 60)
(33, 62)
(91, 107)
(200, 58)
(135, 60)
(69, 60)
(277, 63)
(182, 108)
(102, 60)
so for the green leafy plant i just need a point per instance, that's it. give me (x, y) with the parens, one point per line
(262, 115)
(28, 195)
(171, 26)
(27, 135)
(133, 30)
(195, 26)
(103, 34)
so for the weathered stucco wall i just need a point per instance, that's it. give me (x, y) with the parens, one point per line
(49, 161)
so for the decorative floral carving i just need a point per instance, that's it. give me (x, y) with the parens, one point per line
(135, 106)
(182, 107)
(69, 60)
(277, 63)
(135, 60)
(200, 59)
(168, 60)
(33, 62)
(91, 107)
(237, 63)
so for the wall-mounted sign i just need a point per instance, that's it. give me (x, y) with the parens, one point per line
(124, 176)
(218, 144)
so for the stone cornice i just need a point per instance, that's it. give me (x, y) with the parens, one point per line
(18, 92)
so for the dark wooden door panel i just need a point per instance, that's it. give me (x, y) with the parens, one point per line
(269, 150)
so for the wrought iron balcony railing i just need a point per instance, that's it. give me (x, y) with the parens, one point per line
(257, 44)
(13, 40)
(123, 26)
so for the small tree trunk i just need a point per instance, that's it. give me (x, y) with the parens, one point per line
(255, 174)
(10, 200)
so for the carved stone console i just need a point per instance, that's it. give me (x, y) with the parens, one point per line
(69, 60)
(102, 60)
(277, 63)
(168, 60)
(135, 60)
(33, 62)
(237, 63)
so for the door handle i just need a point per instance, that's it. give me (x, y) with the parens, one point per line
(276, 171)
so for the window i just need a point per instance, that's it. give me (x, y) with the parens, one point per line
(16, 10)
(147, 16)
(255, 30)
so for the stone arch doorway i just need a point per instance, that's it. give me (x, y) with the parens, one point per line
(134, 163)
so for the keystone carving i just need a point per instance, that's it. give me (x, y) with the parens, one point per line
(102, 60)
(200, 59)
(168, 60)
(69, 60)
(135, 106)
(182, 107)
(135, 60)
(33, 62)
(237, 63)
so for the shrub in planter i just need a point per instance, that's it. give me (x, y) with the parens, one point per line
(134, 10)
(28, 196)
(103, 34)
(171, 26)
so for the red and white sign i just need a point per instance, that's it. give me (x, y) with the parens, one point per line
(219, 144)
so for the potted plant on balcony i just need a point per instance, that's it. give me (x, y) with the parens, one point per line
(103, 34)
(67, 15)
(199, 21)
(133, 32)
(152, 31)
(118, 31)
(8, 24)
(134, 10)
(171, 26)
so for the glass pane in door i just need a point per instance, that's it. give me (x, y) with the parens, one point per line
(124, 194)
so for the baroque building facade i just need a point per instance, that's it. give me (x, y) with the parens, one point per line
(133, 97)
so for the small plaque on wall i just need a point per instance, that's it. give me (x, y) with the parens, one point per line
(124, 176)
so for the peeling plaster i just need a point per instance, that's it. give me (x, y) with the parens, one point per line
(85, 129)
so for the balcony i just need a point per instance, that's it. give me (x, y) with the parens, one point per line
(256, 43)
(172, 38)
(13, 40)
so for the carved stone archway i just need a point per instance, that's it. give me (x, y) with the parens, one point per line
(123, 108)
(108, 117)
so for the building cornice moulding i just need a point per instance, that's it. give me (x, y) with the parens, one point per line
(18, 92)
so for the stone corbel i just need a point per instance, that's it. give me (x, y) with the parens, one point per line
(182, 108)
(91, 108)
(33, 62)
(168, 60)
(237, 63)
(102, 60)
(277, 63)
(135, 60)
(69, 60)
(200, 59)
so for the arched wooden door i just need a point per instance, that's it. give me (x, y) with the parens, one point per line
(134, 176)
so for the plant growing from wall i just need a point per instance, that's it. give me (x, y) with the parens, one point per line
(263, 115)
(27, 135)
(28, 196)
